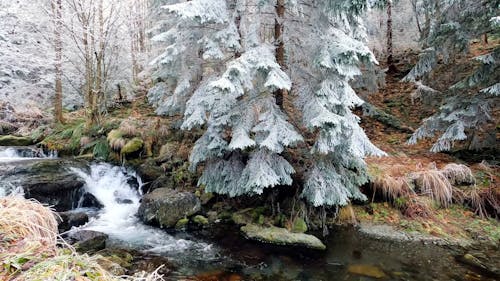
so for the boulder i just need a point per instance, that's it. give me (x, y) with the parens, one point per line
(165, 207)
(10, 140)
(70, 219)
(46, 180)
(88, 241)
(281, 236)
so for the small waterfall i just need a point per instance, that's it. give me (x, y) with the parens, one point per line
(9, 154)
(111, 185)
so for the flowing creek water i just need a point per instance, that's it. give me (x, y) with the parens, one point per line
(222, 254)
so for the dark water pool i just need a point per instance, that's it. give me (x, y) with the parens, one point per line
(350, 256)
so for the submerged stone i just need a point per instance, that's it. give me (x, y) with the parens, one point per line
(281, 236)
(366, 270)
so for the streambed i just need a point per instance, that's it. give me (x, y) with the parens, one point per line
(221, 253)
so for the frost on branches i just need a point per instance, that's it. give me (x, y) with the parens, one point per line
(467, 110)
(220, 70)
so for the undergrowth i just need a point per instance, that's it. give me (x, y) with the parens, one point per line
(31, 250)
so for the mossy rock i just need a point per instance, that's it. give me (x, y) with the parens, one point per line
(132, 146)
(281, 236)
(181, 224)
(299, 226)
(10, 140)
(200, 220)
(119, 256)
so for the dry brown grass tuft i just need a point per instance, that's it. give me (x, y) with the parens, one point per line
(27, 219)
(129, 127)
(434, 184)
(391, 188)
(417, 207)
(29, 252)
(458, 174)
(117, 144)
(483, 201)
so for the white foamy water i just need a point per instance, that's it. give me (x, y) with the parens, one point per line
(110, 185)
(10, 154)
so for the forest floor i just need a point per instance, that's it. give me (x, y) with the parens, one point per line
(462, 219)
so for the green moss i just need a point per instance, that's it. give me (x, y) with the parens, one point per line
(299, 226)
(15, 141)
(133, 145)
(261, 220)
(200, 220)
(182, 223)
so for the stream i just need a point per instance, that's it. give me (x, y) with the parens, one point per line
(221, 253)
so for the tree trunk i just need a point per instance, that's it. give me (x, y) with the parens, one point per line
(99, 91)
(280, 47)
(417, 19)
(57, 13)
(89, 96)
(390, 58)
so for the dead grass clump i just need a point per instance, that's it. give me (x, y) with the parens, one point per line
(484, 201)
(434, 184)
(29, 252)
(27, 219)
(85, 141)
(391, 188)
(458, 174)
(129, 127)
(118, 144)
(417, 207)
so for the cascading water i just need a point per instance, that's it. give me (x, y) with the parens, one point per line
(10, 154)
(111, 186)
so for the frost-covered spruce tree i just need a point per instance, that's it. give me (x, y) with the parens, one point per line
(246, 127)
(197, 40)
(246, 131)
(321, 73)
(451, 27)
